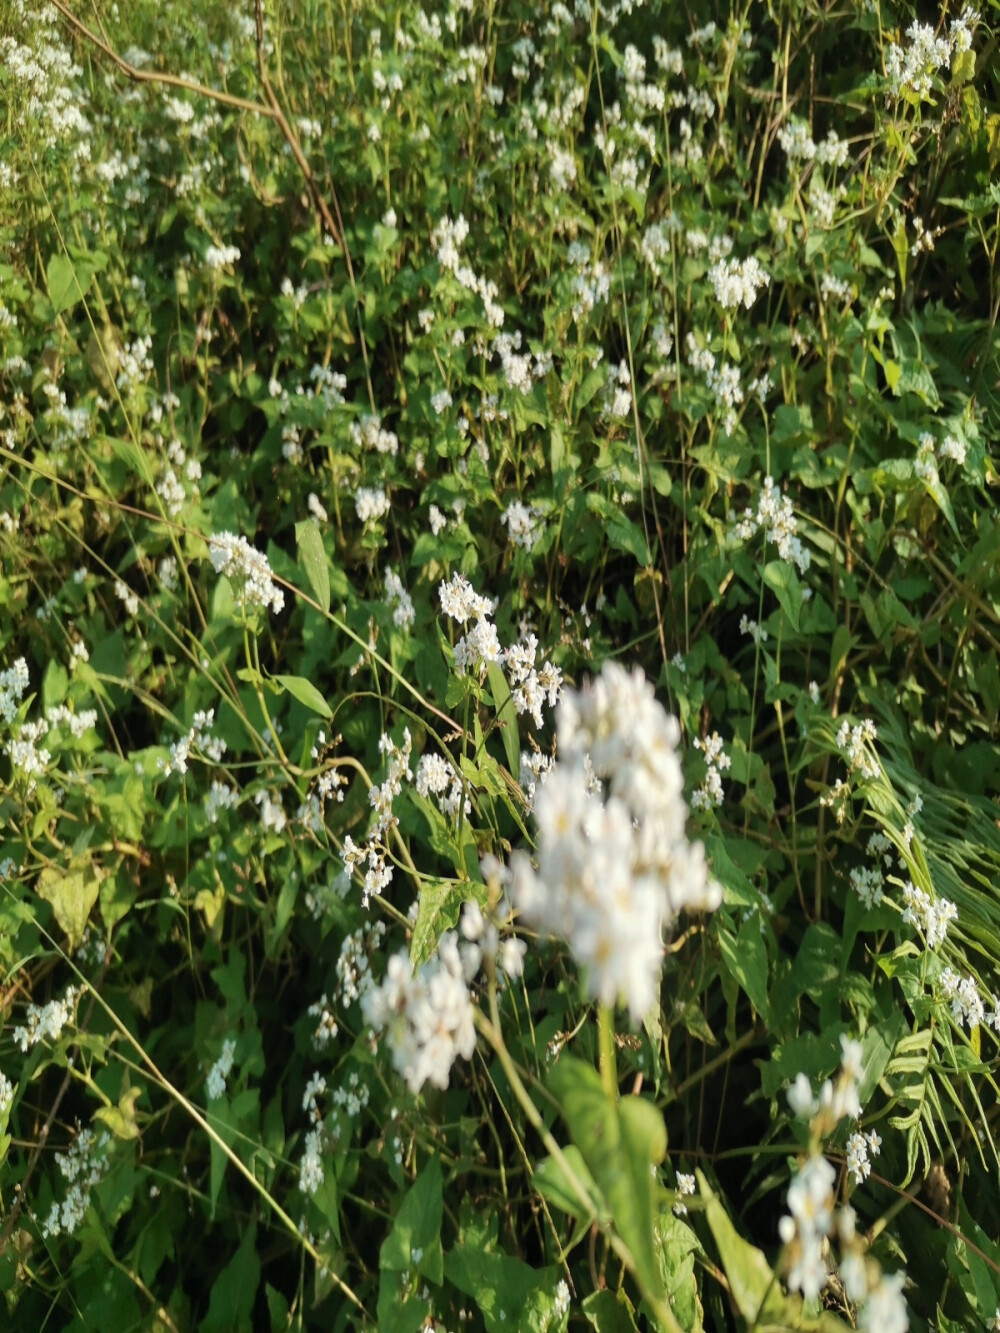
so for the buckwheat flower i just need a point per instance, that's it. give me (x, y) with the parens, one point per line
(854, 742)
(316, 509)
(6, 1096)
(885, 1310)
(738, 282)
(966, 1005)
(521, 522)
(218, 257)
(215, 1084)
(371, 503)
(441, 401)
(857, 1158)
(398, 601)
(952, 449)
(800, 1097)
(512, 952)
(437, 520)
(461, 602)
(562, 167)
(246, 567)
(686, 1186)
(867, 881)
(311, 1173)
(125, 594)
(427, 1015)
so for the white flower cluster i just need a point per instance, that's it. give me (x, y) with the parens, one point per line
(931, 919)
(13, 683)
(218, 257)
(835, 1100)
(867, 882)
(46, 1022)
(685, 1188)
(198, 738)
(738, 282)
(913, 69)
(354, 973)
(219, 797)
(966, 1003)
(371, 503)
(799, 146)
(811, 1217)
(311, 1174)
(378, 874)
(710, 792)
(858, 1147)
(522, 524)
(855, 743)
(369, 434)
(531, 687)
(398, 600)
(481, 644)
(448, 238)
(776, 519)
(83, 1166)
(427, 1015)
(6, 1096)
(613, 872)
(437, 777)
(241, 563)
(215, 1084)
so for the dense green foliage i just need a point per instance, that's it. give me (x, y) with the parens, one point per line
(672, 330)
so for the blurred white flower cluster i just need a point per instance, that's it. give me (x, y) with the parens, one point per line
(427, 1014)
(613, 869)
(812, 1217)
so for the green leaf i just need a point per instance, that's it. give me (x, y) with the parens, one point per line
(306, 693)
(415, 1238)
(620, 1140)
(609, 1313)
(312, 555)
(440, 904)
(624, 535)
(506, 717)
(745, 959)
(65, 286)
(133, 456)
(120, 1119)
(553, 1183)
(72, 894)
(780, 577)
(754, 1288)
(234, 1292)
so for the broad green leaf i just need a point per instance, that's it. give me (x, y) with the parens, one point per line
(506, 718)
(66, 286)
(554, 1185)
(306, 693)
(609, 1313)
(745, 959)
(72, 894)
(780, 577)
(755, 1289)
(131, 454)
(620, 1141)
(234, 1292)
(415, 1238)
(440, 905)
(312, 555)
(120, 1119)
